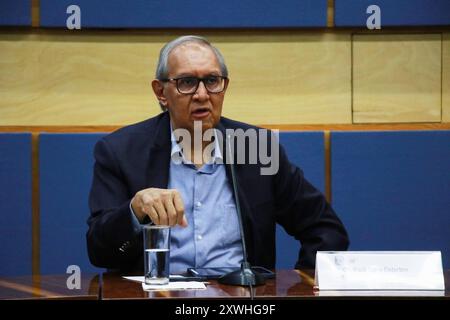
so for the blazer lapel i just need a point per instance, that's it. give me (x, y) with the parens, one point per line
(159, 154)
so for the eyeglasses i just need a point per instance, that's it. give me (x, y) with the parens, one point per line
(189, 85)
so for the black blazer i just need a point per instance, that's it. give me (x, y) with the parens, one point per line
(137, 157)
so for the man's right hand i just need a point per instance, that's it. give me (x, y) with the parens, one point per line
(163, 206)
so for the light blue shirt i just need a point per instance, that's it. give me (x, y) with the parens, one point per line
(212, 237)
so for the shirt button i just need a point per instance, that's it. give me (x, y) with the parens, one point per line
(198, 204)
(199, 237)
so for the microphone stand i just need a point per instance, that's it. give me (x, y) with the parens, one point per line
(245, 276)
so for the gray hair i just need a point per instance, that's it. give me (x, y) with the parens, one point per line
(162, 69)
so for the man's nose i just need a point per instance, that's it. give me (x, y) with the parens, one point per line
(201, 92)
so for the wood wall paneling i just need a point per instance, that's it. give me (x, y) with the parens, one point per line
(103, 78)
(298, 78)
(69, 79)
(446, 78)
(397, 78)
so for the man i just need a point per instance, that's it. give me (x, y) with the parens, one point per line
(137, 180)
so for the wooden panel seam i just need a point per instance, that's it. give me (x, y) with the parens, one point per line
(330, 13)
(35, 13)
(327, 146)
(282, 127)
(35, 206)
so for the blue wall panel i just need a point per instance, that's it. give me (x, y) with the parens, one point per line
(65, 163)
(188, 14)
(305, 150)
(15, 204)
(392, 189)
(15, 13)
(393, 12)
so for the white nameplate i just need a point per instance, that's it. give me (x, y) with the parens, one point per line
(379, 270)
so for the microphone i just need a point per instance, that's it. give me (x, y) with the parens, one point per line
(245, 276)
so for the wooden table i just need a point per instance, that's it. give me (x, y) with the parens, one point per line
(49, 287)
(288, 284)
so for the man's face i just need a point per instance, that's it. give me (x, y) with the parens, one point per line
(191, 59)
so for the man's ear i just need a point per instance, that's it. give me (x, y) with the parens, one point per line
(158, 89)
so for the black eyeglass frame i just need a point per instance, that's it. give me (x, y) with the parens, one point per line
(225, 79)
